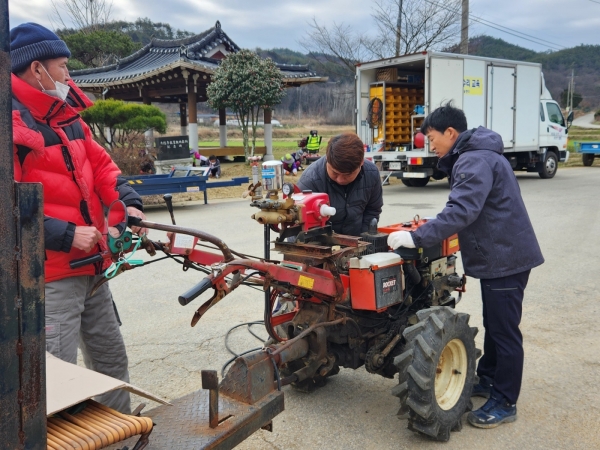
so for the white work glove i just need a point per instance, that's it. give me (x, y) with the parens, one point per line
(400, 239)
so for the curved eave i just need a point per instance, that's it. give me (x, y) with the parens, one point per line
(181, 64)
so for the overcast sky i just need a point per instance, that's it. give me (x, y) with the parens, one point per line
(282, 23)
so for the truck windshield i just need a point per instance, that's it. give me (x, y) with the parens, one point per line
(554, 114)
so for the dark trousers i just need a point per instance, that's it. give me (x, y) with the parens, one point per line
(502, 358)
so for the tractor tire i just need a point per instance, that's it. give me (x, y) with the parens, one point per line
(588, 159)
(437, 372)
(549, 165)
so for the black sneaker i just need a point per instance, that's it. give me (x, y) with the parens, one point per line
(496, 411)
(483, 388)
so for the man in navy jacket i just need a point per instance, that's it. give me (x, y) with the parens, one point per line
(498, 246)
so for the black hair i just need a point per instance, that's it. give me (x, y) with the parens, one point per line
(444, 117)
(345, 152)
(212, 157)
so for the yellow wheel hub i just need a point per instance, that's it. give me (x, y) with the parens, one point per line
(451, 374)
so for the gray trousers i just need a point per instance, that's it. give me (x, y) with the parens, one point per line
(74, 318)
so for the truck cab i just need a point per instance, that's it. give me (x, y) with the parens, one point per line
(553, 129)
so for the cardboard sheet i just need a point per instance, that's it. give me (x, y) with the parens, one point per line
(68, 384)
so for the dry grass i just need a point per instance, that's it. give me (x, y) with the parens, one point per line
(210, 133)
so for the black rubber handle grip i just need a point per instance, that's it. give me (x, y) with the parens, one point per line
(194, 292)
(133, 221)
(77, 263)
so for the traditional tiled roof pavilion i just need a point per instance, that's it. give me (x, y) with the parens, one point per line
(178, 71)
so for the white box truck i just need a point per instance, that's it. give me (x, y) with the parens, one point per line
(510, 97)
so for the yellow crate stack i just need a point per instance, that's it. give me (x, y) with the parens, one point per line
(400, 103)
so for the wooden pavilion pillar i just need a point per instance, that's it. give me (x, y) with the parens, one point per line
(183, 118)
(268, 135)
(222, 127)
(149, 134)
(192, 112)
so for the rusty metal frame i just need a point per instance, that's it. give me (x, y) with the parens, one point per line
(185, 425)
(22, 336)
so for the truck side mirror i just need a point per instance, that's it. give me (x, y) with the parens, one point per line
(569, 119)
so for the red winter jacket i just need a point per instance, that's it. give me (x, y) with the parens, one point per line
(54, 146)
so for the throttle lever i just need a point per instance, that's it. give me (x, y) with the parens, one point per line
(168, 198)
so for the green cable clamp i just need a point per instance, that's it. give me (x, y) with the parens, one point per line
(115, 267)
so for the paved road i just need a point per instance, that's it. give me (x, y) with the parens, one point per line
(586, 121)
(559, 406)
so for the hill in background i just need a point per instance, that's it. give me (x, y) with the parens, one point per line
(557, 66)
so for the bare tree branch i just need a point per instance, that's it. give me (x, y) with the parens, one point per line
(402, 27)
(424, 25)
(340, 44)
(88, 15)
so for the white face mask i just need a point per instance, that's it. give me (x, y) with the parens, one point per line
(60, 90)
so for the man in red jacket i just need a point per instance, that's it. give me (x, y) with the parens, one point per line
(53, 146)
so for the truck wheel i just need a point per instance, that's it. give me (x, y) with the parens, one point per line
(588, 159)
(549, 166)
(437, 372)
(420, 182)
(407, 182)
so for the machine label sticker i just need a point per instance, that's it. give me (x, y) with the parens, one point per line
(472, 86)
(453, 243)
(183, 241)
(268, 173)
(389, 284)
(193, 189)
(306, 282)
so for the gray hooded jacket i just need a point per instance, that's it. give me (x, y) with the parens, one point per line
(485, 208)
(356, 204)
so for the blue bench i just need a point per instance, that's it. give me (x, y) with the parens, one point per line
(180, 179)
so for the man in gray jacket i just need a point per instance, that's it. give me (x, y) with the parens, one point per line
(353, 184)
(498, 246)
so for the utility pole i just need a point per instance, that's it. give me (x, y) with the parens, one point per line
(572, 89)
(568, 95)
(464, 28)
(399, 28)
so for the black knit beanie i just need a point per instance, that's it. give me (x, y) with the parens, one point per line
(32, 42)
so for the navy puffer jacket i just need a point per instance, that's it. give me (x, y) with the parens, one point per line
(355, 205)
(485, 208)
